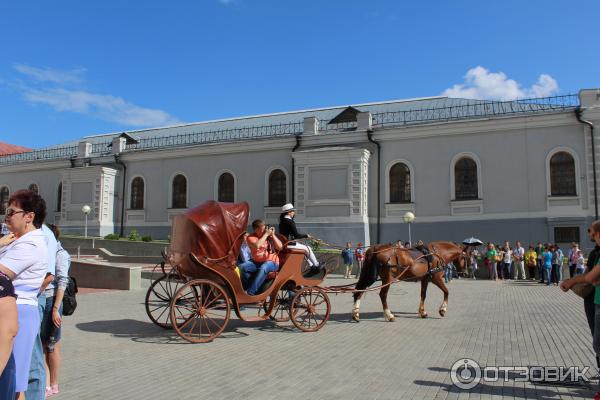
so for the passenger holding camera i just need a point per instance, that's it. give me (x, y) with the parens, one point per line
(264, 245)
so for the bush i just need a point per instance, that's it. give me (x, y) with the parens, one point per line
(134, 236)
(146, 238)
(112, 236)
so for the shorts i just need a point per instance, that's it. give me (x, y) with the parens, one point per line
(48, 328)
(29, 326)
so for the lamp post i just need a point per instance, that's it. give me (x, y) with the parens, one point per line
(86, 210)
(409, 218)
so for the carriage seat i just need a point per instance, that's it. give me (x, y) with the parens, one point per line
(286, 251)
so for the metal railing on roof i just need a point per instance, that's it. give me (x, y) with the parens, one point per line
(340, 126)
(476, 109)
(55, 153)
(225, 135)
(101, 148)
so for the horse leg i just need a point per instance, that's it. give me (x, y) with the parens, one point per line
(386, 278)
(356, 306)
(424, 283)
(439, 282)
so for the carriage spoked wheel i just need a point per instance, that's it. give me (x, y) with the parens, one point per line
(200, 310)
(158, 299)
(310, 309)
(281, 309)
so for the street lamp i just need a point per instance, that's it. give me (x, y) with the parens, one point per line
(409, 218)
(86, 210)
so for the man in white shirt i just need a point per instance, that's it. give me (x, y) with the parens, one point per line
(519, 254)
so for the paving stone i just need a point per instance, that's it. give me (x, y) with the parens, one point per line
(112, 350)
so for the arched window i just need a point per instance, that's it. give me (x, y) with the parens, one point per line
(465, 179)
(3, 200)
(562, 175)
(277, 188)
(226, 188)
(34, 188)
(179, 195)
(400, 184)
(137, 194)
(59, 197)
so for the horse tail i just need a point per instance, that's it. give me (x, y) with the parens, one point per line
(368, 273)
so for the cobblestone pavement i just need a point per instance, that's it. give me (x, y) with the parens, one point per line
(112, 351)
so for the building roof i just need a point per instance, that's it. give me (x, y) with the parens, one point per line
(7, 148)
(385, 114)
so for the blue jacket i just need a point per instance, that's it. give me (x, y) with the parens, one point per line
(348, 256)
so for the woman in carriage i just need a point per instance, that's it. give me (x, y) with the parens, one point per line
(287, 227)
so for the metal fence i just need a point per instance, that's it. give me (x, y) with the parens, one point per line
(325, 126)
(36, 155)
(100, 149)
(476, 110)
(226, 135)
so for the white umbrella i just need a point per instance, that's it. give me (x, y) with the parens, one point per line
(472, 241)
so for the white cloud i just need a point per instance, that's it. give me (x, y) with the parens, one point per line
(106, 107)
(480, 83)
(58, 89)
(51, 75)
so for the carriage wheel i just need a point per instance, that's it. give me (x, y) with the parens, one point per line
(201, 310)
(281, 309)
(158, 300)
(310, 309)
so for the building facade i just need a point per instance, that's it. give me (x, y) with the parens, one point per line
(514, 170)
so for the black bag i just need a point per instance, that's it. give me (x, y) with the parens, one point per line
(69, 299)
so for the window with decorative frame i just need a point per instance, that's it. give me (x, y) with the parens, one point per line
(226, 188)
(400, 190)
(179, 192)
(465, 179)
(562, 175)
(137, 194)
(277, 188)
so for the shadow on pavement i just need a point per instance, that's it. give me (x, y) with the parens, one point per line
(486, 390)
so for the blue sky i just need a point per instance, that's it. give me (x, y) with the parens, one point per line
(75, 68)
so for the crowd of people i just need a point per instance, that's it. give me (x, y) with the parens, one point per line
(542, 261)
(34, 272)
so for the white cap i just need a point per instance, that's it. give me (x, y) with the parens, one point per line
(288, 207)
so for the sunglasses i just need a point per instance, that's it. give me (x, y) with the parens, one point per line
(10, 212)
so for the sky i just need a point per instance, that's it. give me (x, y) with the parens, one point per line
(69, 69)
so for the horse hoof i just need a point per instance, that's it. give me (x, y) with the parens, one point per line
(390, 319)
(443, 313)
(355, 318)
(423, 315)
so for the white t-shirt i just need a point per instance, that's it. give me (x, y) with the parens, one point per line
(507, 255)
(27, 257)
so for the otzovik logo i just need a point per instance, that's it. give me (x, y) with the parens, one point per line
(467, 373)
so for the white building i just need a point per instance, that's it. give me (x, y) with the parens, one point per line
(514, 170)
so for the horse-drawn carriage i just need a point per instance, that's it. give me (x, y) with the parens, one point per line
(200, 284)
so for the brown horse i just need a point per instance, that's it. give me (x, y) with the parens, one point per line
(391, 262)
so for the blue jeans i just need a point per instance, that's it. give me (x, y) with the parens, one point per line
(448, 274)
(247, 268)
(547, 275)
(260, 274)
(36, 389)
(508, 269)
(8, 380)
